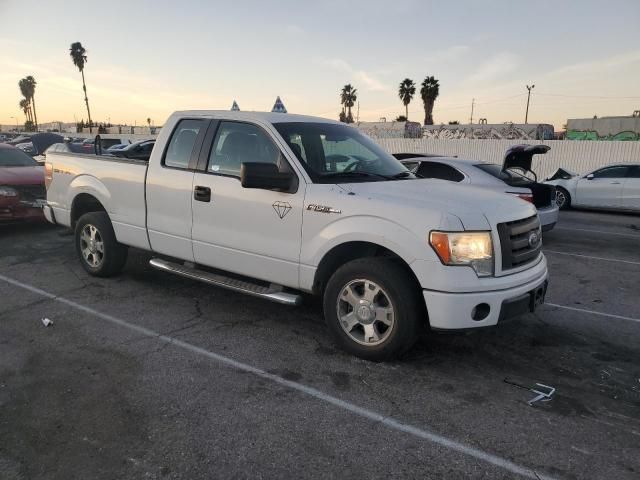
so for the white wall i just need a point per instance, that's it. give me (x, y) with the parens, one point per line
(577, 156)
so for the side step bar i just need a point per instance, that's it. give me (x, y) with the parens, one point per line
(273, 293)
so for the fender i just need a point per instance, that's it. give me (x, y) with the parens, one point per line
(92, 186)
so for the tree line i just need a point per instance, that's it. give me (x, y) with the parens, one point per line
(429, 91)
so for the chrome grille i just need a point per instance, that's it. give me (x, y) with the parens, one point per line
(516, 242)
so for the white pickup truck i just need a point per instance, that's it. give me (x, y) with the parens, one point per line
(274, 205)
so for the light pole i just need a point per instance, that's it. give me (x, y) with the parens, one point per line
(526, 115)
(473, 101)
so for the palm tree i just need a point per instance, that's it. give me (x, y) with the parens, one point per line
(30, 84)
(429, 92)
(348, 97)
(406, 92)
(24, 89)
(149, 121)
(24, 106)
(79, 57)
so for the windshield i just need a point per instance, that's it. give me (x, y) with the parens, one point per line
(12, 157)
(333, 153)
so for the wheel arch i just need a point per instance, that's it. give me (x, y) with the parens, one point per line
(84, 203)
(352, 250)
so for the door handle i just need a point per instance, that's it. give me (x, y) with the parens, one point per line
(615, 183)
(202, 194)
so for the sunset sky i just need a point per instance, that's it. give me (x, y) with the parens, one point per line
(149, 58)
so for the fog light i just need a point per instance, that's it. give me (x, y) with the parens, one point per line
(480, 311)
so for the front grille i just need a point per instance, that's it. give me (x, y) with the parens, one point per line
(516, 247)
(31, 193)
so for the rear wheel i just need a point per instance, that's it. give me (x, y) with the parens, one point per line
(563, 199)
(100, 253)
(373, 308)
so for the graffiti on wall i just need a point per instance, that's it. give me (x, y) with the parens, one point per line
(506, 131)
(593, 135)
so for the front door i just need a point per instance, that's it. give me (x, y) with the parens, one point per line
(604, 189)
(631, 189)
(248, 231)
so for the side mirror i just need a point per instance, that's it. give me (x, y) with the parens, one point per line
(265, 176)
(590, 176)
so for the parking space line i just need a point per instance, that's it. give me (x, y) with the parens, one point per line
(591, 257)
(631, 235)
(593, 312)
(310, 391)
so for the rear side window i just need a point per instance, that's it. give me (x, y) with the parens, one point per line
(634, 172)
(439, 170)
(182, 143)
(611, 172)
(236, 143)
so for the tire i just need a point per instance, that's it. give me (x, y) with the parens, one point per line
(563, 199)
(396, 329)
(105, 257)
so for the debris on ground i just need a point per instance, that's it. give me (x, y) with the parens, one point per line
(46, 322)
(543, 392)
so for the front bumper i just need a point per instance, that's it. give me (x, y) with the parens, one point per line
(548, 217)
(12, 210)
(456, 311)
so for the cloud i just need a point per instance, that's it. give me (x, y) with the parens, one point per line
(294, 30)
(371, 83)
(449, 54)
(497, 67)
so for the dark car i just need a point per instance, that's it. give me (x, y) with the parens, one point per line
(22, 189)
(136, 151)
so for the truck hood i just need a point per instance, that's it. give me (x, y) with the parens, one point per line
(473, 206)
(22, 175)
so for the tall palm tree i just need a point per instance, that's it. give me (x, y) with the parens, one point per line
(429, 92)
(31, 91)
(406, 91)
(79, 57)
(348, 97)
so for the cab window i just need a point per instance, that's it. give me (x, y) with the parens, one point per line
(236, 143)
(611, 172)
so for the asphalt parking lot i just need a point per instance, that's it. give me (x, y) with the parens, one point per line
(149, 375)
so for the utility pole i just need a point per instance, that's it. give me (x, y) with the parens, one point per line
(526, 115)
(473, 101)
(358, 114)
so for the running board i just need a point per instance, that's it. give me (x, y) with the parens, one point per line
(273, 293)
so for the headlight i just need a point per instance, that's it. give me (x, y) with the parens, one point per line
(473, 249)
(8, 192)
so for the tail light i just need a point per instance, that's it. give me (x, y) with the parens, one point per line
(48, 174)
(527, 197)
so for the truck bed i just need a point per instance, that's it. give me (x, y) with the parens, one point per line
(107, 179)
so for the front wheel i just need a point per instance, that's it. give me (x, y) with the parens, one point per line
(373, 308)
(100, 253)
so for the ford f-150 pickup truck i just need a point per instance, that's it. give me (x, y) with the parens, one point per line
(273, 205)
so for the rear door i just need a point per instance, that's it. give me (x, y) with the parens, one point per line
(169, 190)
(604, 189)
(248, 231)
(631, 189)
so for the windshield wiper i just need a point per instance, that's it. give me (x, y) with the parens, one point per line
(404, 174)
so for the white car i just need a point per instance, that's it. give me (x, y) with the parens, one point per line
(614, 187)
(514, 176)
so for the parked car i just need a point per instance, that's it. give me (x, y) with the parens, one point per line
(22, 190)
(514, 176)
(137, 151)
(614, 187)
(263, 203)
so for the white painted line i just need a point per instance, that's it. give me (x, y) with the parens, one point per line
(593, 312)
(591, 257)
(312, 392)
(631, 235)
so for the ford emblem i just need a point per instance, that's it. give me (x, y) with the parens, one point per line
(534, 239)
